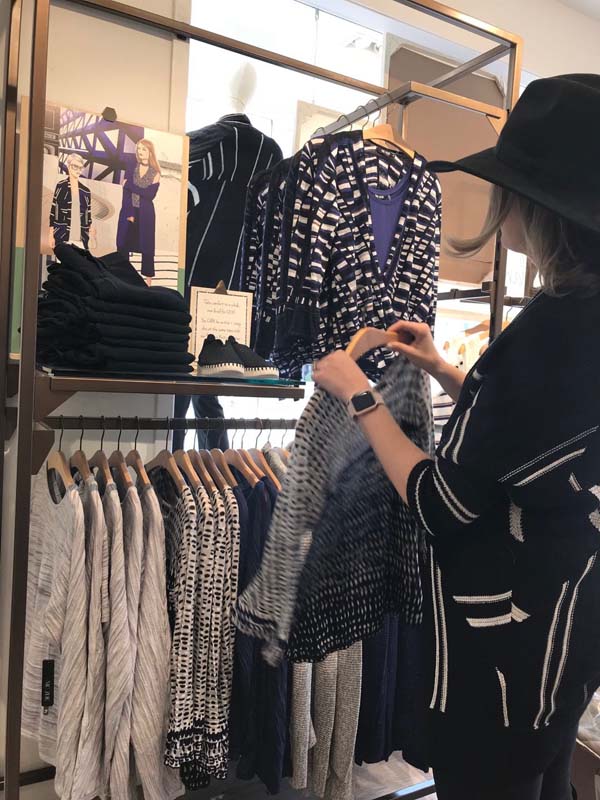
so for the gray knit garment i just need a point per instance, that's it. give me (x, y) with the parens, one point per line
(328, 442)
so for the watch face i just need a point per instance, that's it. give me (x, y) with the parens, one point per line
(363, 401)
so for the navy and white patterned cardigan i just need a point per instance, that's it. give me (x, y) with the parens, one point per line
(334, 282)
(512, 507)
(317, 271)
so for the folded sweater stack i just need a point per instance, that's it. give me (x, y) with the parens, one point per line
(99, 314)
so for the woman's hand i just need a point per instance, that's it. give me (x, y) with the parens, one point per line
(416, 343)
(339, 375)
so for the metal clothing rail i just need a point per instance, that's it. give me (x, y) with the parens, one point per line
(411, 91)
(83, 423)
(30, 150)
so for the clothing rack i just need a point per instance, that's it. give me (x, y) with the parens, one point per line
(83, 423)
(20, 267)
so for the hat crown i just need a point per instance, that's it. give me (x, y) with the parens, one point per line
(554, 128)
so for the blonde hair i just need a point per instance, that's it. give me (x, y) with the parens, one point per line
(152, 159)
(566, 255)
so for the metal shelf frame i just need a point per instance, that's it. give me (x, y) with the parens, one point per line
(14, 548)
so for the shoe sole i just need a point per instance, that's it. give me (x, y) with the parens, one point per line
(261, 372)
(221, 371)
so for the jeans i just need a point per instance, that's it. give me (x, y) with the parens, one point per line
(204, 406)
(554, 784)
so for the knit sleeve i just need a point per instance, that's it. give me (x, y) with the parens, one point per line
(307, 258)
(253, 233)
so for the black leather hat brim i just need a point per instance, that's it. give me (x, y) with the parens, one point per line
(572, 202)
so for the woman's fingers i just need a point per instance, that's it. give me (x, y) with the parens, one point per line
(403, 326)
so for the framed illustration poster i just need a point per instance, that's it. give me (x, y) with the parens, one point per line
(113, 185)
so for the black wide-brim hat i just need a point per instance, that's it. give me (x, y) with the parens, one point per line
(549, 149)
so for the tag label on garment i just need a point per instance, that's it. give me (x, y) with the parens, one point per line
(47, 684)
(223, 315)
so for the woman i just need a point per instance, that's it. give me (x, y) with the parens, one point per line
(137, 221)
(511, 502)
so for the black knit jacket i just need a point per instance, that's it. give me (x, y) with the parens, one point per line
(511, 504)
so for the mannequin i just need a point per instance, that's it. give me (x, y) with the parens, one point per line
(242, 88)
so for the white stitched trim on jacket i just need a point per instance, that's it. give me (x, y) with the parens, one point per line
(518, 615)
(418, 502)
(452, 496)
(482, 598)
(464, 427)
(460, 517)
(549, 649)
(550, 467)
(489, 622)
(502, 682)
(567, 639)
(437, 633)
(443, 639)
(549, 453)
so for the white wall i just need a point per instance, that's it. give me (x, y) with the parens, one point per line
(557, 39)
(94, 62)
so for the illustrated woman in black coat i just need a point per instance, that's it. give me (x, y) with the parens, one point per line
(510, 505)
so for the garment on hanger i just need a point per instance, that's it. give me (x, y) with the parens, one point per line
(336, 702)
(89, 781)
(259, 700)
(333, 281)
(356, 570)
(224, 157)
(181, 538)
(133, 549)
(151, 696)
(56, 627)
(119, 663)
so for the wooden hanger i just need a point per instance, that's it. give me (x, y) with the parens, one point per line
(233, 458)
(165, 460)
(99, 461)
(117, 463)
(78, 460)
(135, 461)
(223, 466)
(386, 135)
(368, 339)
(186, 467)
(57, 461)
(202, 472)
(209, 463)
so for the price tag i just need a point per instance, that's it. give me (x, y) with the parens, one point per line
(222, 314)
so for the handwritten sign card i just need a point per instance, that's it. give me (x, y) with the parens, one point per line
(222, 315)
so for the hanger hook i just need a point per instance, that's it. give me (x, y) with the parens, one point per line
(82, 432)
(120, 432)
(62, 431)
(366, 115)
(260, 430)
(137, 432)
(244, 431)
(103, 432)
(168, 431)
(197, 435)
(233, 435)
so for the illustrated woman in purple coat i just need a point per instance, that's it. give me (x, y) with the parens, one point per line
(136, 231)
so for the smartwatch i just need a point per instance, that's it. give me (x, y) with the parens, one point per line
(364, 402)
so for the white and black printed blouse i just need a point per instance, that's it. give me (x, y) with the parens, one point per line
(334, 282)
(511, 504)
(364, 558)
(181, 539)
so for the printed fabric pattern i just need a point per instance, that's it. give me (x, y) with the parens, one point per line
(378, 580)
